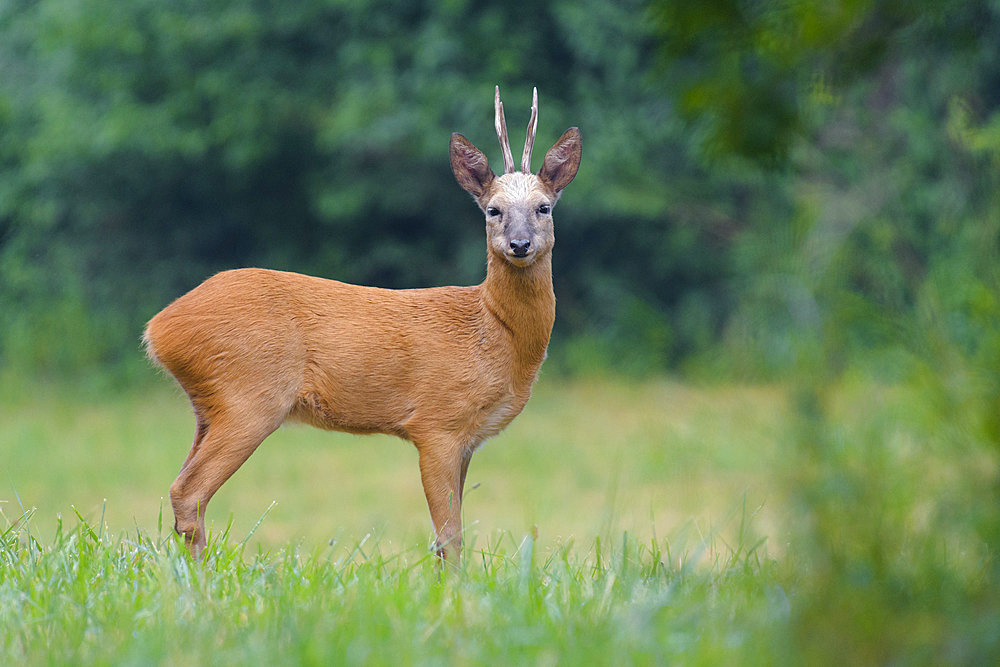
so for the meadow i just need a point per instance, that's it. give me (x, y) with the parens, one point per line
(643, 458)
(643, 522)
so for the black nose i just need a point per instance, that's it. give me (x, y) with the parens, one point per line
(520, 247)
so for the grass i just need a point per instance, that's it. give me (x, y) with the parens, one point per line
(583, 456)
(88, 598)
(613, 522)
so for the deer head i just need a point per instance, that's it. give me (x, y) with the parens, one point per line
(518, 205)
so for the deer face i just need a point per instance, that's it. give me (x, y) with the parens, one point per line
(518, 205)
(518, 212)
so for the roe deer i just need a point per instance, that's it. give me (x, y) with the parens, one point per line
(444, 367)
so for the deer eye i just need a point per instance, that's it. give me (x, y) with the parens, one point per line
(492, 211)
(544, 209)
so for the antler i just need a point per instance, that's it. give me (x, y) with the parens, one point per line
(529, 140)
(501, 123)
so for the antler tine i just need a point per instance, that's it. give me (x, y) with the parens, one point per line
(501, 123)
(529, 140)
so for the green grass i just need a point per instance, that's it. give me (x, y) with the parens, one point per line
(88, 598)
(582, 457)
(613, 522)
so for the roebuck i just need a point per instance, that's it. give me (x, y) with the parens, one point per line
(445, 367)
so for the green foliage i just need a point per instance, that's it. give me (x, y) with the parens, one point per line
(750, 73)
(762, 183)
(898, 496)
(154, 145)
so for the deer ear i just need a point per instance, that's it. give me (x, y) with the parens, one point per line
(562, 160)
(471, 168)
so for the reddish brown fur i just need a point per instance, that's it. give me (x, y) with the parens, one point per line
(445, 367)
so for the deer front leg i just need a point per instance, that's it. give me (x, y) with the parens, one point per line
(442, 472)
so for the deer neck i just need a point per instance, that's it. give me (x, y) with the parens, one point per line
(521, 299)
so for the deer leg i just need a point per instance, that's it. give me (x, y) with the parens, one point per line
(201, 428)
(442, 472)
(219, 451)
(466, 459)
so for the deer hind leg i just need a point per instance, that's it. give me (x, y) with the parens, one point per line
(442, 472)
(222, 444)
(200, 429)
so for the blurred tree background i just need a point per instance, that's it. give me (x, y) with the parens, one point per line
(763, 182)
